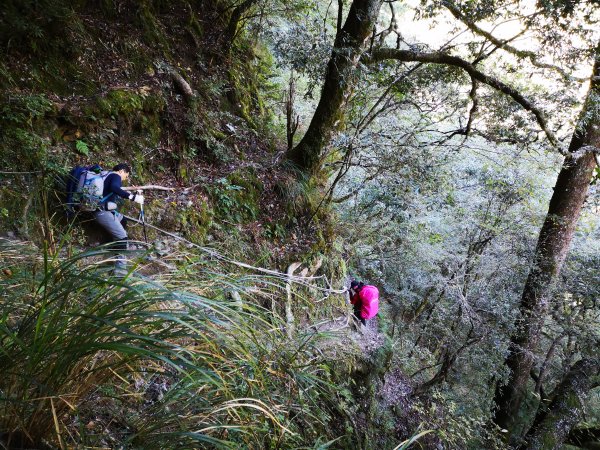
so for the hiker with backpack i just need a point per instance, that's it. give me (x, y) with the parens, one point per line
(365, 299)
(98, 193)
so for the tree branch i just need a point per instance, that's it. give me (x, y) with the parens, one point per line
(392, 28)
(148, 187)
(183, 86)
(355, 191)
(234, 20)
(584, 151)
(382, 54)
(474, 100)
(544, 367)
(503, 44)
(447, 361)
(538, 389)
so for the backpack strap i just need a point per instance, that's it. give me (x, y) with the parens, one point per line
(105, 198)
(104, 177)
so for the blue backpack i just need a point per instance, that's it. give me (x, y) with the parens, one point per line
(84, 188)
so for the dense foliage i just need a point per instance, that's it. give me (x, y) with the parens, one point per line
(297, 145)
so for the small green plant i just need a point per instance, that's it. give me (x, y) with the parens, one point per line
(407, 443)
(275, 231)
(24, 109)
(232, 203)
(82, 148)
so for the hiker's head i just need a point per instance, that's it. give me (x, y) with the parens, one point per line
(123, 170)
(356, 285)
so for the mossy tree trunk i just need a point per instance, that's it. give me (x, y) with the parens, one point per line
(553, 244)
(234, 20)
(553, 424)
(345, 56)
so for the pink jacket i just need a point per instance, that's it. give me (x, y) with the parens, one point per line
(368, 297)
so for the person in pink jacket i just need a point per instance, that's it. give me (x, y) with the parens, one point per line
(365, 299)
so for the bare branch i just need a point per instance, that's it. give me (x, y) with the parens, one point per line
(355, 191)
(474, 100)
(503, 44)
(148, 187)
(382, 54)
(372, 114)
(292, 119)
(392, 27)
(181, 83)
(544, 367)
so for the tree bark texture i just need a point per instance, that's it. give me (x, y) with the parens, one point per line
(553, 244)
(345, 56)
(553, 425)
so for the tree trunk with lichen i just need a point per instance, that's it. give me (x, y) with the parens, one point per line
(553, 424)
(555, 237)
(347, 50)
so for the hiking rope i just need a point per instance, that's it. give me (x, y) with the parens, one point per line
(142, 220)
(142, 217)
(213, 253)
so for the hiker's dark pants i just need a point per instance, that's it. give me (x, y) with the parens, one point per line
(357, 308)
(113, 222)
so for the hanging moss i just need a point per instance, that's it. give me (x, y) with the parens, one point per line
(195, 221)
(24, 144)
(236, 198)
(248, 179)
(137, 116)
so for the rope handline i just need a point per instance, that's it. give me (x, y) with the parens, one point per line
(213, 253)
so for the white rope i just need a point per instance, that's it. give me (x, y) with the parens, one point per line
(305, 281)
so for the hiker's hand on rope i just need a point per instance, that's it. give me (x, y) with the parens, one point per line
(138, 198)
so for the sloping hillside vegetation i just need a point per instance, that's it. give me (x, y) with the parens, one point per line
(285, 149)
(148, 85)
(173, 360)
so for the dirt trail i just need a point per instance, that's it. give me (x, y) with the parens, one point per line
(368, 336)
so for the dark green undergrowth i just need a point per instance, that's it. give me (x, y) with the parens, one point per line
(119, 103)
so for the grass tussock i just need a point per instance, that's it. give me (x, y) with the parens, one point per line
(93, 360)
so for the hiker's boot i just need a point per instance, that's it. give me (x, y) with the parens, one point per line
(120, 270)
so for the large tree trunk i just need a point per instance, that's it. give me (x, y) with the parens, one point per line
(553, 243)
(338, 82)
(553, 425)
